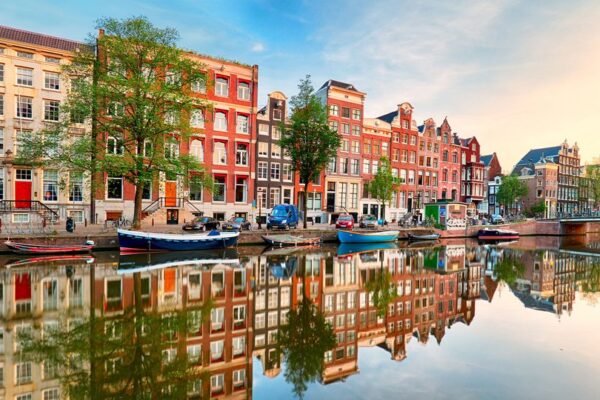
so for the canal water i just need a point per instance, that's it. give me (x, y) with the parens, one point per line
(442, 321)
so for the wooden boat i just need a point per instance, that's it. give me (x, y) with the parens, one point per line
(64, 259)
(423, 237)
(346, 249)
(144, 262)
(31, 248)
(290, 240)
(367, 237)
(497, 234)
(133, 241)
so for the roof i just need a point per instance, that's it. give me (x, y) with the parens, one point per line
(39, 39)
(389, 117)
(487, 159)
(342, 85)
(535, 155)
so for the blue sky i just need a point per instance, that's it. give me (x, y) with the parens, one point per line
(518, 74)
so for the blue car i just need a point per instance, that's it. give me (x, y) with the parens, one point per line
(283, 216)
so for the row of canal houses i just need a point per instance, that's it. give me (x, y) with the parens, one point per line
(237, 141)
(232, 310)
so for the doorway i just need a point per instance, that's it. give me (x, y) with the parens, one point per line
(23, 188)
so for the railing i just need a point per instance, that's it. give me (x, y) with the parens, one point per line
(26, 205)
(164, 202)
(586, 215)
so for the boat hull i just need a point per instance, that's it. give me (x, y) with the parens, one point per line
(288, 240)
(433, 236)
(491, 235)
(131, 241)
(24, 248)
(367, 237)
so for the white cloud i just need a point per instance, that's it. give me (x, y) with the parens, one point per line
(258, 47)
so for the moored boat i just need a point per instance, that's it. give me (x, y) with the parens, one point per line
(423, 237)
(367, 237)
(346, 249)
(32, 248)
(497, 234)
(144, 262)
(148, 241)
(290, 240)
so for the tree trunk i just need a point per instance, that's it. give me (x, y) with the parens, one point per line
(305, 205)
(137, 208)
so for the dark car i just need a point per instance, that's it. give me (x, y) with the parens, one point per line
(237, 224)
(201, 224)
(367, 221)
(344, 221)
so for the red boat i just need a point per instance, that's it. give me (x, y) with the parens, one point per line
(30, 248)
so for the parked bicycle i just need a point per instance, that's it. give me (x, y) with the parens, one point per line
(121, 223)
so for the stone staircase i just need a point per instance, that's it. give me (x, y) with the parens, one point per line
(156, 213)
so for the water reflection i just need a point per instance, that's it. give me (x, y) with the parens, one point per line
(188, 325)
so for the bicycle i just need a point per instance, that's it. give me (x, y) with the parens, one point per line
(122, 223)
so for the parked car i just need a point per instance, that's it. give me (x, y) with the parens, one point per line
(367, 221)
(201, 224)
(237, 224)
(283, 216)
(496, 219)
(344, 221)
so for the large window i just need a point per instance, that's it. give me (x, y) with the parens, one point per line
(51, 110)
(262, 170)
(220, 188)
(241, 154)
(263, 149)
(199, 86)
(24, 107)
(243, 125)
(314, 201)
(171, 149)
(51, 185)
(114, 145)
(24, 76)
(197, 119)
(23, 373)
(243, 91)
(75, 186)
(1, 72)
(222, 87)
(275, 171)
(355, 167)
(241, 190)
(216, 352)
(275, 196)
(52, 80)
(197, 150)
(353, 195)
(287, 172)
(220, 153)
(221, 121)
(1, 140)
(1, 183)
(195, 190)
(275, 150)
(334, 110)
(1, 105)
(114, 187)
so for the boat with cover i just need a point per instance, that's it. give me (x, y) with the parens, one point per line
(32, 248)
(290, 240)
(148, 241)
(423, 236)
(497, 234)
(367, 237)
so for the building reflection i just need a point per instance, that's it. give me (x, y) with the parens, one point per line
(234, 306)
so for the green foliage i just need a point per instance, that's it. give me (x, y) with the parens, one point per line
(593, 173)
(538, 209)
(510, 267)
(303, 342)
(308, 140)
(136, 95)
(384, 292)
(511, 189)
(384, 183)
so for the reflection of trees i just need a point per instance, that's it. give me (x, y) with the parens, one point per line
(510, 267)
(380, 286)
(121, 356)
(303, 342)
(591, 283)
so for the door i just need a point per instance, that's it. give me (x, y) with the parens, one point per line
(23, 188)
(170, 194)
(172, 216)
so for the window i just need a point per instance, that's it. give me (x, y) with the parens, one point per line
(217, 317)
(50, 185)
(171, 149)
(384, 148)
(222, 87)
(287, 172)
(274, 197)
(53, 60)
(242, 123)
(366, 165)
(355, 146)
(114, 145)
(75, 292)
(221, 121)
(1, 140)
(239, 378)
(220, 153)
(334, 110)
(355, 114)
(219, 188)
(216, 383)
(216, 350)
(51, 110)
(1, 71)
(243, 91)
(275, 170)
(241, 190)
(26, 396)
(24, 107)
(51, 80)
(23, 54)
(287, 196)
(241, 154)
(24, 76)
(333, 125)
(275, 150)
(263, 129)
(193, 353)
(75, 186)
(343, 166)
(114, 187)
(51, 394)
(1, 104)
(197, 150)
(276, 133)
(199, 86)
(23, 373)
(346, 129)
(354, 194)
(345, 112)
(262, 170)
(263, 149)
(197, 119)
(239, 345)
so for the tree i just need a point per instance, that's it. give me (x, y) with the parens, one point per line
(384, 184)
(538, 209)
(308, 140)
(136, 91)
(511, 189)
(510, 267)
(303, 342)
(593, 174)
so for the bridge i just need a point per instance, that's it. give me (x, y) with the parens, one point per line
(593, 216)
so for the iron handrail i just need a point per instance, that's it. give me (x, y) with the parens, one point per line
(22, 205)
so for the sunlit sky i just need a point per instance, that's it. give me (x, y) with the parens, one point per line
(517, 74)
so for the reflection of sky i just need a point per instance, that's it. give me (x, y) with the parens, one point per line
(509, 351)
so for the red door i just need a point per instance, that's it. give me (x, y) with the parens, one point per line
(170, 194)
(23, 188)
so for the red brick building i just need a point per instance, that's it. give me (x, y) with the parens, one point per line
(449, 175)
(472, 172)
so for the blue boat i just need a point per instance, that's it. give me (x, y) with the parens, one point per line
(345, 249)
(367, 237)
(144, 262)
(146, 241)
